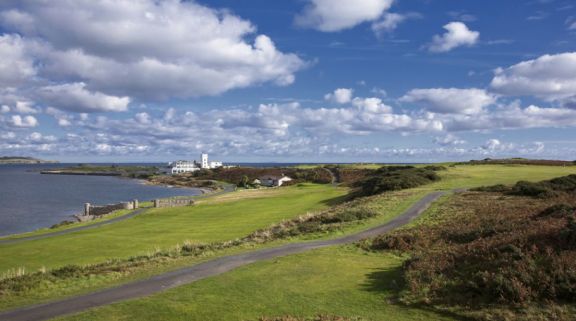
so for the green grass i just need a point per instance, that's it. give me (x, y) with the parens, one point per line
(466, 176)
(161, 228)
(342, 281)
(225, 218)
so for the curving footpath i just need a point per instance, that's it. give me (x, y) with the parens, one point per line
(74, 229)
(200, 271)
(226, 189)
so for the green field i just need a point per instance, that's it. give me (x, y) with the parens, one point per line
(236, 215)
(465, 176)
(342, 281)
(162, 228)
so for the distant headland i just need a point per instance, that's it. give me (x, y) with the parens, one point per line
(23, 160)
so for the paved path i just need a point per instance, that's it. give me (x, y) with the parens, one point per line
(333, 174)
(226, 189)
(200, 271)
(74, 229)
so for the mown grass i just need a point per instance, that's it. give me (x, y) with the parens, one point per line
(160, 228)
(342, 281)
(38, 287)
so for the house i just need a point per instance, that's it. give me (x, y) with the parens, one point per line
(183, 166)
(272, 181)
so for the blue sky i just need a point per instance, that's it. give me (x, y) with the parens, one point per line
(288, 81)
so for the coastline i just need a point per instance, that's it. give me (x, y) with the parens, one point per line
(47, 205)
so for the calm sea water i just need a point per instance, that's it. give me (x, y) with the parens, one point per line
(30, 200)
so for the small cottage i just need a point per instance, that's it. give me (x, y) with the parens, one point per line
(273, 181)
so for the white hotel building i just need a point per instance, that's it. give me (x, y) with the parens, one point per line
(183, 166)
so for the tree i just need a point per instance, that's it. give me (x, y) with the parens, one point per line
(244, 182)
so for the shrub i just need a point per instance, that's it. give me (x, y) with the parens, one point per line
(499, 188)
(543, 189)
(391, 178)
(558, 211)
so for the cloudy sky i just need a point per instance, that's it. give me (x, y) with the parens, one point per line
(287, 81)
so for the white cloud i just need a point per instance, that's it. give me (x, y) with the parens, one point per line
(141, 49)
(24, 121)
(336, 15)
(75, 97)
(550, 77)
(493, 144)
(4, 109)
(340, 95)
(142, 118)
(457, 35)
(449, 140)
(372, 105)
(24, 107)
(388, 23)
(511, 116)
(450, 100)
(15, 66)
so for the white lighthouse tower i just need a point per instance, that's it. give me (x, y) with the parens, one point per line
(204, 163)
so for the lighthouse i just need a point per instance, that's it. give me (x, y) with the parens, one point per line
(204, 163)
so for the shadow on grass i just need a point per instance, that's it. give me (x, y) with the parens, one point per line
(390, 282)
(337, 200)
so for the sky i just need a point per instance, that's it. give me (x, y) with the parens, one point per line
(287, 81)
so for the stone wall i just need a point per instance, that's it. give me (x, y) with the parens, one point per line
(173, 202)
(93, 210)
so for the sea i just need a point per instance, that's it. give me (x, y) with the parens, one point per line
(30, 200)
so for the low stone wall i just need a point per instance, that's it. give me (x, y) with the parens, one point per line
(173, 202)
(93, 210)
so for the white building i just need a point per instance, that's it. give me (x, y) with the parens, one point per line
(271, 181)
(183, 166)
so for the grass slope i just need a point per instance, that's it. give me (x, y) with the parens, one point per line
(343, 281)
(160, 228)
(247, 212)
(466, 176)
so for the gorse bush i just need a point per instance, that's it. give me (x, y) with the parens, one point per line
(543, 189)
(393, 178)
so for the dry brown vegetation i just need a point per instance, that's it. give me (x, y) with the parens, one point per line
(493, 255)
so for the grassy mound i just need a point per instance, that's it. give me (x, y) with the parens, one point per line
(393, 178)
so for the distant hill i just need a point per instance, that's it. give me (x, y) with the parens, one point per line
(23, 160)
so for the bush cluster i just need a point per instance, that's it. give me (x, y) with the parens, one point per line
(392, 178)
(543, 189)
